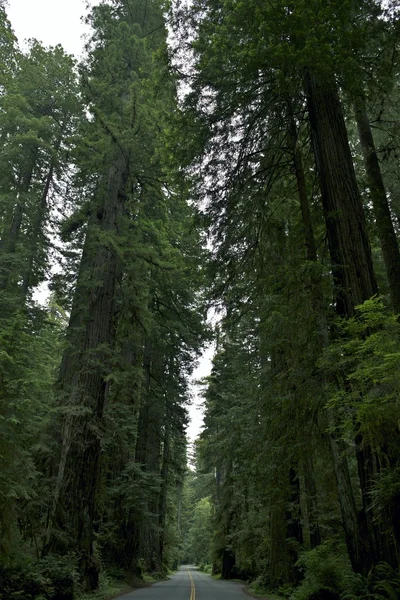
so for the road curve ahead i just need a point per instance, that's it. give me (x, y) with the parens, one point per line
(189, 584)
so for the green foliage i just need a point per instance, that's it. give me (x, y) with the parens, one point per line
(200, 533)
(8, 49)
(381, 582)
(55, 172)
(47, 579)
(39, 114)
(260, 588)
(101, 176)
(39, 108)
(365, 359)
(28, 366)
(323, 569)
(270, 397)
(205, 568)
(110, 586)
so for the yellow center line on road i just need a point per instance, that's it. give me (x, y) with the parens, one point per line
(193, 589)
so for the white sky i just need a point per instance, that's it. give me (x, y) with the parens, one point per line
(59, 22)
(50, 21)
(196, 410)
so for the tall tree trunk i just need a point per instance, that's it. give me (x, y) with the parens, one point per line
(310, 513)
(84, 386)
(356, 538)
(383, 219)
(311, 501)
(294, 518)
(353, 535)
(280, 560)
(349, 247)
(282, 522)
(352, 267)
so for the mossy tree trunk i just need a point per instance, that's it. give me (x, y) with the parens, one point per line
(83, 381)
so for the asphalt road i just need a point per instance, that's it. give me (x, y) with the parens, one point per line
(189, 584)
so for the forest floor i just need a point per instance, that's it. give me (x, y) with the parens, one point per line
(260, 594)
(121, 592)
(111, 588)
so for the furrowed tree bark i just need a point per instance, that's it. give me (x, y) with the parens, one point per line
(307, 463)
(83, 383)
(352, 270)
(351, 526)
(383, 218)
(349, 247)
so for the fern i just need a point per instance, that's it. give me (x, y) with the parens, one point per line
(381, 583)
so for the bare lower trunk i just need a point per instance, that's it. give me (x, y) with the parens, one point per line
(383, 219)
(349, 247)
(356, 538)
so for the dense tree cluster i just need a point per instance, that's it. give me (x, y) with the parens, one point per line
(236, 154)
(292, 147)
(94, 385)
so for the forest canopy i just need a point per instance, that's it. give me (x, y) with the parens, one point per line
(218, 158)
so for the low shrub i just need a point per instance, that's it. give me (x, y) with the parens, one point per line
(382, 582)
(205, 568)
(324, 570)
(47, 579)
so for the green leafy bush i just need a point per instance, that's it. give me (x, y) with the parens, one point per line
(48, 579)
(324, 569)
(205, 568)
